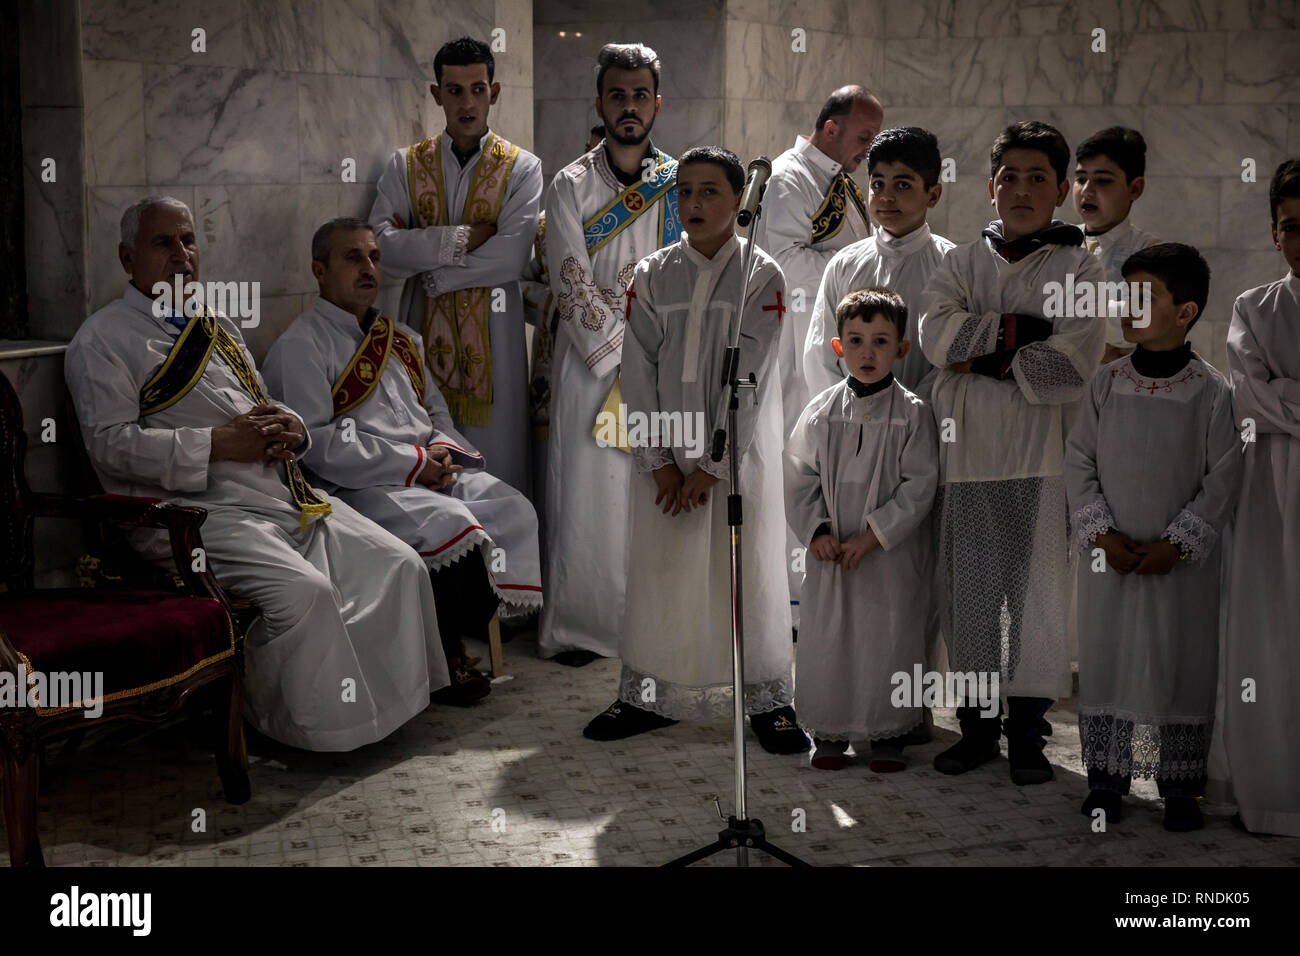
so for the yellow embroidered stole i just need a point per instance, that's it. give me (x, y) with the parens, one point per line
(369, 361)
(829, 218)
(184, 367)
(455, 327)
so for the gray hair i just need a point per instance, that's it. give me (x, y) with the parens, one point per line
(131, 218)
(626, 56)
(320, 241)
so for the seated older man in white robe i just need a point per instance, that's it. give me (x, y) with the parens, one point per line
(346, 649)
(383, 441)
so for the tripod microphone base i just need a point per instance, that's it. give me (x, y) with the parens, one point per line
(739, 835)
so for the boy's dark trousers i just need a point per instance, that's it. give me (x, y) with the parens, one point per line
(465, 602)
(1025, 717)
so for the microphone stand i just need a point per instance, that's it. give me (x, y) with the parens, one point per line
(741, 832)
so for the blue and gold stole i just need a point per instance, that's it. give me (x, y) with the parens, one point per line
(828, 220)
(184, 366)
(629, 205)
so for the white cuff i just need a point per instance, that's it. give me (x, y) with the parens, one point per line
(1092, 519)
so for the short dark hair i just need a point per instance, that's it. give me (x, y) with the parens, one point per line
(1180, 267)
(1123, 146)
(597, 130)
(915, 148)
(324, 236)
(1284, 185)
(626, 56)
(840, 103)
(1032, 134)
(868, 303)
(465, 51)
(725, 158)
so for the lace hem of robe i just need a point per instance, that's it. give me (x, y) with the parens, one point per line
(712, 702)
(1137, 745)
(1192, 534)
(858, 732)
(1092, 519)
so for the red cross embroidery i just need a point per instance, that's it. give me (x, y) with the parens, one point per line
(779, 309)
(627, 313)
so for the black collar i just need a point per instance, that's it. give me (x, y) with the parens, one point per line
(1150, 364)
(621, 176)
(863, 389)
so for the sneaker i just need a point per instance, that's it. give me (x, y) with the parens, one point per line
(467, 684)
(621, 719)
(1182, 814)
(576, 658)
(967, 754)
(778, 732)
(886, 759)
(829, 754)
(1108, 801)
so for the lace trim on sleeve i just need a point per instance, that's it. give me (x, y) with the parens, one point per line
(1092, 519)
(964, 346)
(720, 470)
(1192, 534)
(651, 457)
(1047, 374)
(454, 243)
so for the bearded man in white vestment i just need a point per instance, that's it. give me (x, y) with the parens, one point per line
(604, 212)
(171, 406)
(383, 441)
(455, 217)
(812, 208)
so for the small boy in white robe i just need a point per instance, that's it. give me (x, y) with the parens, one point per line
(1152, 470)
(676, 640)
(1109, 172)
(1263, 634)
(861, 467)
(1009, 378)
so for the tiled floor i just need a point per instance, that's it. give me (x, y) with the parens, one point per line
(513, 782)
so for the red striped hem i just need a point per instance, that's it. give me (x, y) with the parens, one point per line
(517, 587)
(463, 451)
(419, 465)
(444, 547)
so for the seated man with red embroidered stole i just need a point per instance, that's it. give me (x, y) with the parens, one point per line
(171, 406)
(384, 442)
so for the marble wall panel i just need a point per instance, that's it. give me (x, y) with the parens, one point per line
(161, 31)
(1179, 209)
(514, 64)
(1261, 67)
(1168, 68)
(349, 37)
(362, 118)
(1212, 140)
(1244, 217)
(278, 313)
(410, 33)
(114, 140)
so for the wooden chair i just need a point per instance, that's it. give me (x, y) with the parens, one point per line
(154, 646)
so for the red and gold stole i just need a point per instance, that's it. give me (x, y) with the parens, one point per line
(369, 361)
(455, 328)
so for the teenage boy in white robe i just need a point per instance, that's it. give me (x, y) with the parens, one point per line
(812, 208)
(383, 441)
(900, 255)
(676, 643)
(604, 212)
(1263, 637)
(861, 468)
(1109, 176)
(1008, 381)
(455, 217)
(346, 649)
(1153, 467)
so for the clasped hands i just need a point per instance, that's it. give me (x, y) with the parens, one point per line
(847, 554)
(681, 493)
(264, 433)
(1131, 557)
(438, 473)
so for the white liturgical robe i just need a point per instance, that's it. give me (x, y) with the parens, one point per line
(346, 608)
(435, 259)
(903, 265)
(1263, 638)
(586, 484)
(370, 456)
(1112, 247)
(858, 462)
(677, 631)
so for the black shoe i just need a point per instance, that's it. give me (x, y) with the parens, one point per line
(778, 731)
(967, 754)
(1028, 765)
(578, 658)
(1182, 814)
(1108, 801)
(467, 685)
(621, 720)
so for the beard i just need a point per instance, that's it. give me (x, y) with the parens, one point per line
(635, 139)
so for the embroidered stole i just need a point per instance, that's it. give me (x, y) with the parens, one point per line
(828, 220)
(184, 367)
(633, 202)
(369, 361)
(457, 341)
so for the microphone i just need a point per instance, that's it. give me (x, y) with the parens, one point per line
(759, 170)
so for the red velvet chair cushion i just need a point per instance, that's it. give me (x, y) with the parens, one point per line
(139, 640)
